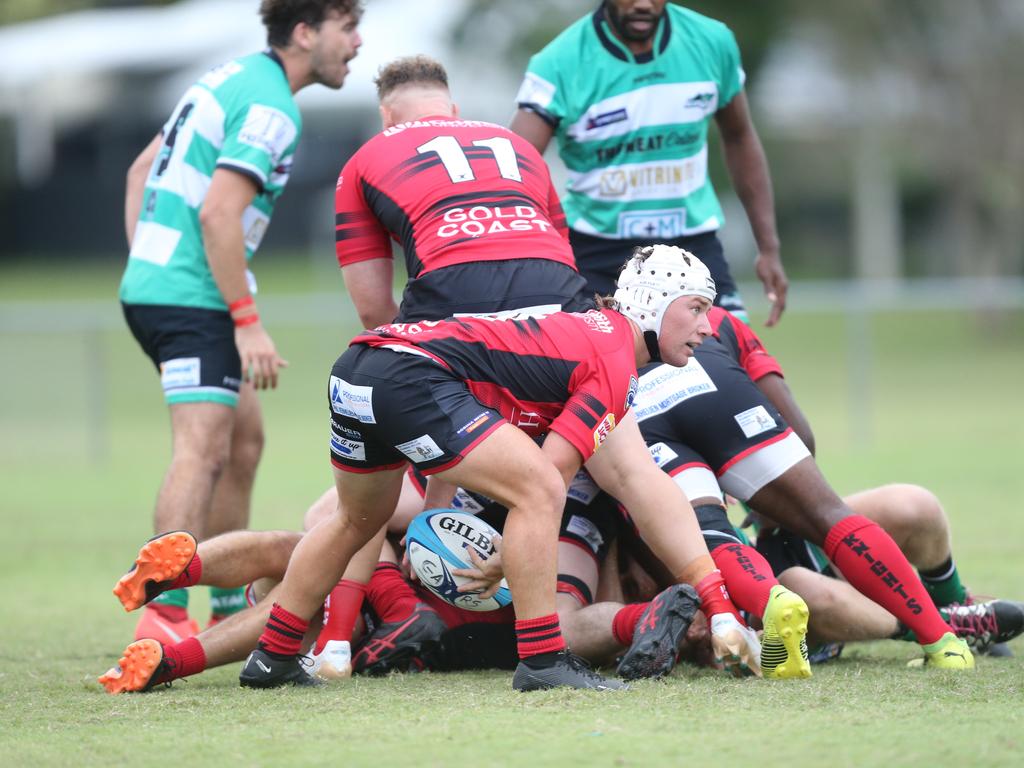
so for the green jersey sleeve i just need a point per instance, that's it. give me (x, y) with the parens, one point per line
(542, 90)
(256, 137)
(732, 74)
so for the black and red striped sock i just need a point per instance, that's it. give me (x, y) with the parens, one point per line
(190, 576)
(748, 577)
(625, 621)
(391, 596)
(184, 659)
(872, 562)
(283, 633)
(540, 635)
(714, 597)
(340, 612)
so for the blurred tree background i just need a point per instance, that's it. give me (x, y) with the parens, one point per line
(13, 11)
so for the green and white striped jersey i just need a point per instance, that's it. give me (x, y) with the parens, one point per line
(240, 115)
(633, 130)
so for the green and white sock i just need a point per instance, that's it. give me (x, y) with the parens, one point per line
(943, 584)
(175, 597)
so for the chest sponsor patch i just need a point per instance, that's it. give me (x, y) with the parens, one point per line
(267, 129)
(662, 454)
(665, 387)
(423, 448)
(180, 372)
(352, 401)
(583, 488)
(754, 421)
(349, 449)
(586, 530)
(634, 385)
(607, 118)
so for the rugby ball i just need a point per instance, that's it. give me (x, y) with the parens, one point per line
(437, 542)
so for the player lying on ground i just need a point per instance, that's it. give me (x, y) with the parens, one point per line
(709, 425)
(408, 630)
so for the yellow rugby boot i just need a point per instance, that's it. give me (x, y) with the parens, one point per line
(948, 652)
(784, 643)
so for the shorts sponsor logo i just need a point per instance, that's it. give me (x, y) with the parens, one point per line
(475, 423)
(180, 372)
(231, 382)
(348, 449)
(583, 488)
(603, 430)
(662, 454)
(465, 502)
(352, 434)
(755, 421)
(352, 401)
(607, 118)
(634, 385)
(423, 448)
(586, 530)
(598, 321)
(666, 387)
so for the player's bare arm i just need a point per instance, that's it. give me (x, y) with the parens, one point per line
(778, 392)
(748, 169)
(370, 286)
(135, 185)
(533, 128)
(224, 240)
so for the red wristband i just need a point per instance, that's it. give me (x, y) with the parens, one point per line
(242, 303)
(247, 320)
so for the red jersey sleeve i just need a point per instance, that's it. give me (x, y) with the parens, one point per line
(602, 392)
(754, 358)
(555, 213)
(358, 234)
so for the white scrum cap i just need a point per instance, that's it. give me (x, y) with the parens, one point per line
(654, 277)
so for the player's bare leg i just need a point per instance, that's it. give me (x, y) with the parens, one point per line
(802, 501)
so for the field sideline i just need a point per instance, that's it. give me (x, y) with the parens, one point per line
(945, 412)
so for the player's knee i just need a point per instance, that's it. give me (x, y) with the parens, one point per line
(543, 493)
(284, 543)
(922, 507)
(816, 590)
(247, 448)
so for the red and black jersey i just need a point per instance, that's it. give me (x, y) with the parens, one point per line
(449, 192)
(574, 374)
(743, 344)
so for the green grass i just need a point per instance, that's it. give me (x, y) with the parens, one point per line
(944, 410)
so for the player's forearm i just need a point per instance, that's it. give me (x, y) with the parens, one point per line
(224, 242)
(748, 169)
(135, 186)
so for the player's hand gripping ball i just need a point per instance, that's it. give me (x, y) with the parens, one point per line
(438, 542)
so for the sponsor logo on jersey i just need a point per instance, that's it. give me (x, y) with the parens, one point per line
(634, 385)
(603, 430)
(217, 76)
(267, 129)
(607, 118)
(666, 386)
(650, 76)
(352, 401)
(755, 421)
(586, 530)
(483, 220)
(701, 101)
(349, 449)
(598, 321)
(536, 91)
(655, 224)
(180, 372)
(670, 176)
(583, 488)
(641, 144)
(525, 419)
(465, 502)
(662, 454)
(475, 423)
(423, 448)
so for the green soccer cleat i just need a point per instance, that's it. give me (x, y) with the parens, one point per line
(784, 643)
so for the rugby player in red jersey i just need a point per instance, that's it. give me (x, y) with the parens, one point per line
(709, 425)
(465, 398)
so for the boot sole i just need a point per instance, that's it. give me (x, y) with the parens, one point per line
(161, 559)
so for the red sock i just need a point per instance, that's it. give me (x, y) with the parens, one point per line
(186, 658)
(625, 621)
(540, 635)
(283, 633)
(870, 560)
(340, 612)
(190, 576)
(747, 575)
(714, 597)
(172, 613)
(390, 594)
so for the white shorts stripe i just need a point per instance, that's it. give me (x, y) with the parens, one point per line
(752, 473)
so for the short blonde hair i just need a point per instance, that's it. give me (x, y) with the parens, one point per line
(410, 70)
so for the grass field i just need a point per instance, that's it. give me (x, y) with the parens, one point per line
(945, 411)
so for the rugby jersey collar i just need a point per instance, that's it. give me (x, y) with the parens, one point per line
(615, 47)
(271, 54)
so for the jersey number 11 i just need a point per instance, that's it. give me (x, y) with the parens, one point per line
(453, 157)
